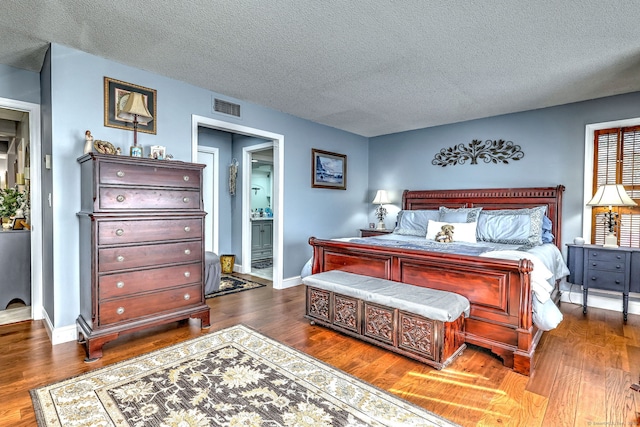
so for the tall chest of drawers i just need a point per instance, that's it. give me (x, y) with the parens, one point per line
(141, 246)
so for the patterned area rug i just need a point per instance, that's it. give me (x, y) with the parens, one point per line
(232, 284)
(263, 263)
(233, 377)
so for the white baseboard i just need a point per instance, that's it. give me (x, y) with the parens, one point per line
(607, 300)
(291, 282)
(59, 335)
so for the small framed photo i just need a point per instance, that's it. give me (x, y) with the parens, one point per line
(158, 152)
(116, 94)
(18, 223)
(135, 151)
(328, 170)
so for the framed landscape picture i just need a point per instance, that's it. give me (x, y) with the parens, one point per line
(328, 170)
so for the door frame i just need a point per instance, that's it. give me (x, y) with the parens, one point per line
(213, 214)
(35, 174)
(278, 189)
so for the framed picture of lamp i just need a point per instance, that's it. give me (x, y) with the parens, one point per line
(328, 170)
(116, 94)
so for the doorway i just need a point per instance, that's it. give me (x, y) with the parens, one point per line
(28, 113)
(275, 141)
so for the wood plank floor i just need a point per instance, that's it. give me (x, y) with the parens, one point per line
(583, 368)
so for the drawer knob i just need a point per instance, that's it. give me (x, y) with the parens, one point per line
(120, 285)
(186, 178)
(120, 198)
(617, 282)
(187, 229)
(187, 296)
(120, 174)
(120, 258)
(120, 310)
(185, 200)
(187, 274)
(594, 278)
(187, 251)
(119, 232)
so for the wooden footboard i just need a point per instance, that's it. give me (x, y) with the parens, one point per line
(499, 290)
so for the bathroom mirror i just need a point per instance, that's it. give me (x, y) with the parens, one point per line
(262, 181)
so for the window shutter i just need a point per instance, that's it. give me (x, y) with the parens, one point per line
(617, 161)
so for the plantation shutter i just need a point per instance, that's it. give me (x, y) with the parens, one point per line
(617, 161)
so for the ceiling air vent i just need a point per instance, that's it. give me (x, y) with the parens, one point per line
(226, 107)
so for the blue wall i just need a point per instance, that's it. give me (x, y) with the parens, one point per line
(77, 75)
(20, 85)
(552, 139)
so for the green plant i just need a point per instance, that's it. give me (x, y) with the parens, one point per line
(10, 201)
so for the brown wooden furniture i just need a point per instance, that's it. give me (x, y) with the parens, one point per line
(394, 325)
(141, 246)
(499, 290)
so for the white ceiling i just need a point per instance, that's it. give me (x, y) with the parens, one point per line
(370, 67)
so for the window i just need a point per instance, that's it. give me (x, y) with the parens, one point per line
(617, 161)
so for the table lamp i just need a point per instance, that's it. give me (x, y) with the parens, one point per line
(380, 199)
(135, 110)
(611, 195)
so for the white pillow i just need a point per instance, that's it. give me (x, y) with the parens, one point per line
(462, 231)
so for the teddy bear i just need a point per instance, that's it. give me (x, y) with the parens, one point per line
(445, 235)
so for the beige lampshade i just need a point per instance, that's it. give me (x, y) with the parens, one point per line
(381, 198)
(611, 195)
(135, 106)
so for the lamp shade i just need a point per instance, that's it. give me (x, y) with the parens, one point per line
(381, 198)
(611, 195)
(135, 106)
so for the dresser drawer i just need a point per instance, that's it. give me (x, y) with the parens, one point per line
(124, 198)
(148, 230)
(596, 255)
(137, 174)
(126, 257)
(122, 284)
(138, 306)
(607, 280)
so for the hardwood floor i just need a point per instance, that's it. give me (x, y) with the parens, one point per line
(584, 368)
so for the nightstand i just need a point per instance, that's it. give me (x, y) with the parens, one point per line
(368, 232)
(612, 269)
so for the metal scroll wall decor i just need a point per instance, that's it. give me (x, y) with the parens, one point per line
(496, 151)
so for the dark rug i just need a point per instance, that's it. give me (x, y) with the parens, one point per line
(232, 284)
(233, 377)
(263, 263)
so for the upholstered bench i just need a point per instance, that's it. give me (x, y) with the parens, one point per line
(421, 323)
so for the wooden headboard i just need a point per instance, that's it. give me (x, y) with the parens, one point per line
(493, 198)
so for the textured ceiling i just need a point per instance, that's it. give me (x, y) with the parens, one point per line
(371, 67)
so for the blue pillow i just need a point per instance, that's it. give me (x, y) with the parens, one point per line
(414, 223)
(547, 235)
(511, 226)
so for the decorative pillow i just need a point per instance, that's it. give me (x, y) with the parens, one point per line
(511, 226)
(547, 235)
(462, 231)
(459, 215)
(414, 223)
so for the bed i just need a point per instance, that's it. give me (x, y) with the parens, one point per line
(501, 283)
